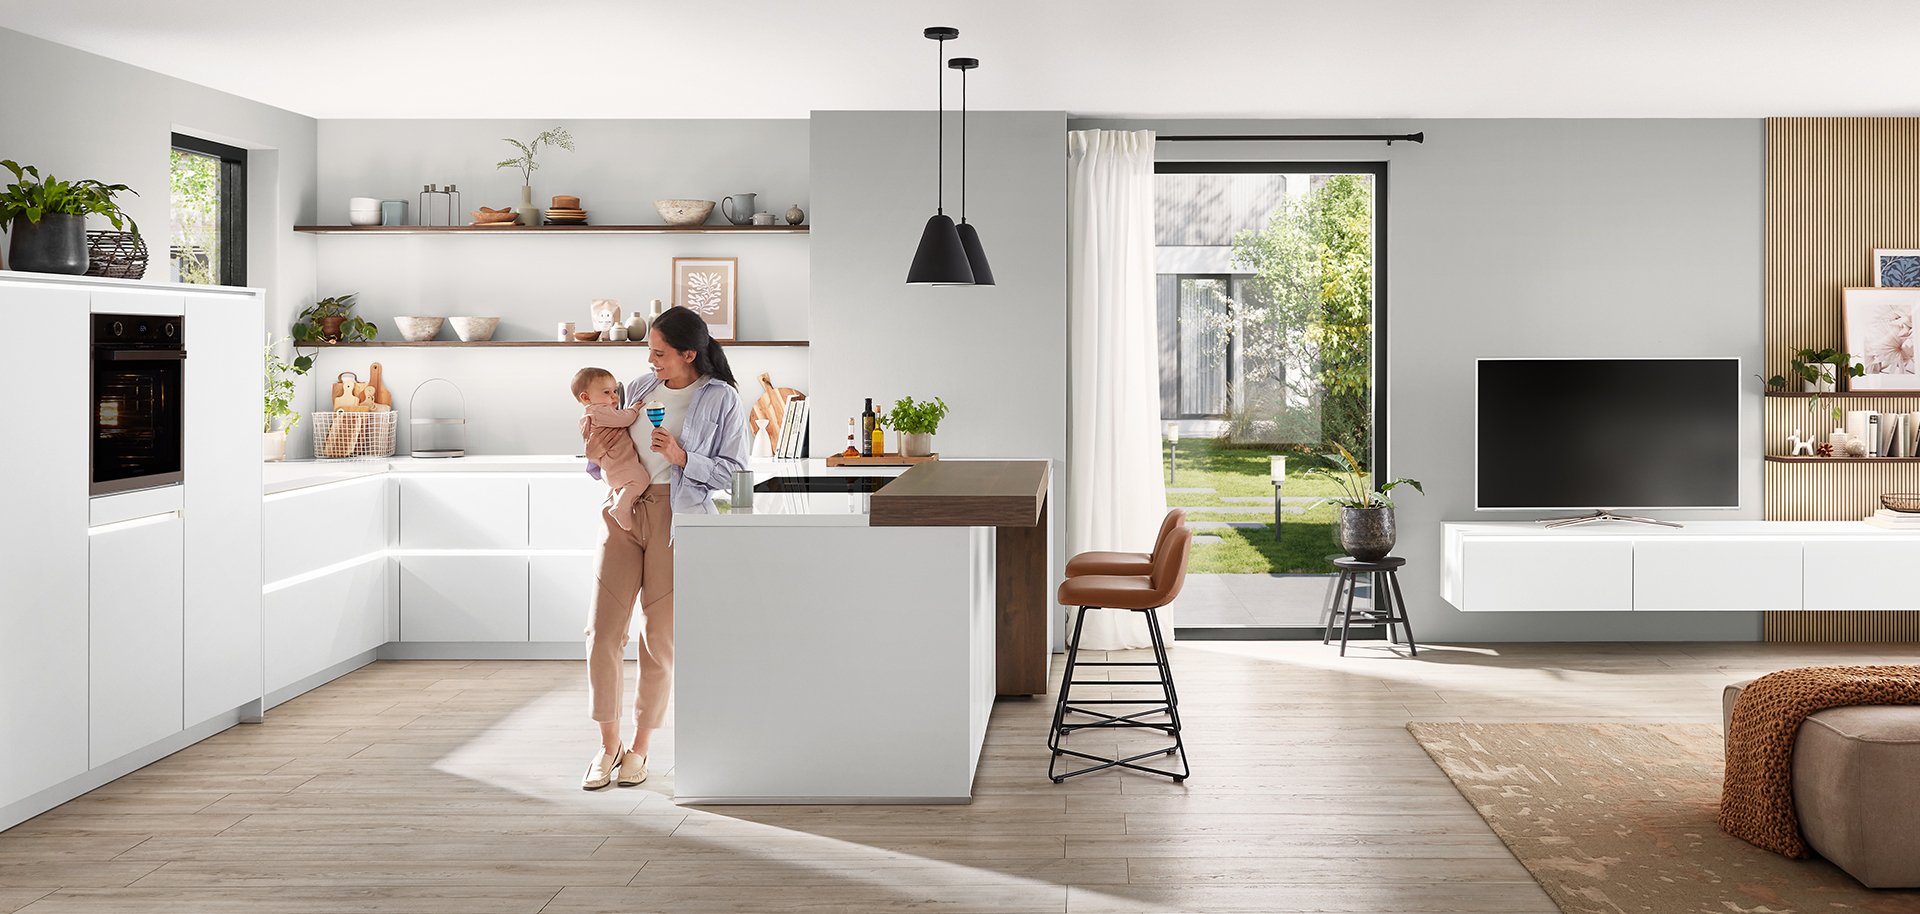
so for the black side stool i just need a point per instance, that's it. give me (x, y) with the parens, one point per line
(1388, 606)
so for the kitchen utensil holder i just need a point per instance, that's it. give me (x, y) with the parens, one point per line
(343, 434)
(414, 434)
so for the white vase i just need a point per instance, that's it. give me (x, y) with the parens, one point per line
(920, 445)
(274, 445)
(1824, 386)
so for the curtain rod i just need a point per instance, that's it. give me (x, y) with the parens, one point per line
(1388, 138)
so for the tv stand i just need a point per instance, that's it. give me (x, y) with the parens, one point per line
(1578, 519)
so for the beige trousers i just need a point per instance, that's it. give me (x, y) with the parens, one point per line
(635, 563)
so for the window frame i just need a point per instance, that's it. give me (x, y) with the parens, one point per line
(233, 203)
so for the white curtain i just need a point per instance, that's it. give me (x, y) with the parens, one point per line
(1115, 497)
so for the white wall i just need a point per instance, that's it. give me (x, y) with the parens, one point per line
(78, 115)
(1542, 238)
(517, 398)
(995, 354)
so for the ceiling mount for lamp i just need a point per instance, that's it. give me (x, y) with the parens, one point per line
(941, 258)
(969, 238)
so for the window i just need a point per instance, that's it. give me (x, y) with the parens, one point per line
(208, 237)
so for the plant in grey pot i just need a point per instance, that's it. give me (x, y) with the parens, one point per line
(1366, 517)
(916, 423)
(47, 218)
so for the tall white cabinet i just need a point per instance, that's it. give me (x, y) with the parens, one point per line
(129, 623)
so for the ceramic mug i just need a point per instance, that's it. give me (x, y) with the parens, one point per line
(762, 218)
(738, 208)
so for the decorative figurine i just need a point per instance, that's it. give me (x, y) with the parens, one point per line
(1856, 447)
(1799, 444)
(1824, 450)
(795, 215)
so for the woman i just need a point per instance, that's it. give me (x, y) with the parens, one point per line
(694, 451)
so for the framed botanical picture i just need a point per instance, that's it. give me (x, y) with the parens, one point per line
(1877, 325)
(704, 285)
(1896, 268)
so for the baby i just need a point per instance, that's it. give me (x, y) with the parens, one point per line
(604, 427)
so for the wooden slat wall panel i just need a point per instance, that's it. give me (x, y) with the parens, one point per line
(1836, 189)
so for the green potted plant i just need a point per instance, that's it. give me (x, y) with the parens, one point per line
(530, 214)
(1819, 371)
(916, 423)
(48, 218)
(331, 320)
(279, 402)
(1366, 516)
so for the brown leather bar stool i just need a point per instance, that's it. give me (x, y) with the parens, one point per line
(1126, 562)
(1143, 593)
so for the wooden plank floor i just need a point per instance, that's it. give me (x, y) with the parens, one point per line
(453, 786)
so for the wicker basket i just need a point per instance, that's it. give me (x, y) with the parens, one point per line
(342, 434)
(1902, 502)
(116, 255)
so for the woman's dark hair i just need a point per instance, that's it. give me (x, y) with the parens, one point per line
(686, 331)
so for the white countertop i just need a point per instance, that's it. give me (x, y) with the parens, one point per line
(284, 475)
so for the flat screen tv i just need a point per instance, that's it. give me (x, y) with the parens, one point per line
(1607, 434)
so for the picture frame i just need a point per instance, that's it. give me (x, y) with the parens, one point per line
(706, 286)
(1876, 325)
(1895, 268)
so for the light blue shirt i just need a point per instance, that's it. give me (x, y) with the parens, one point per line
(714, 435)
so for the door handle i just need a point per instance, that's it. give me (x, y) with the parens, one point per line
(149, 355)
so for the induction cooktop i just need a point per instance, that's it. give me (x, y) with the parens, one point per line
(846, 484)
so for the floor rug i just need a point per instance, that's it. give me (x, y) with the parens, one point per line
(1621, 819)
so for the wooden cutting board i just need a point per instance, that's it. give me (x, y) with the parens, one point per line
(772, 406)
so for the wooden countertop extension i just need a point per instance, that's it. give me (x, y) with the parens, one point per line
(964, 493)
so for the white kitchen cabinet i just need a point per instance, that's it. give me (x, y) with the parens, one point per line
(1716, 574)
(1871, 572)
(321, 622)
(222, 423)
(560, 592)
(43, 545)
(313, 528)
(463, 511)
(1592, 573)
(463, 597)
(136, 632)
(563, 512)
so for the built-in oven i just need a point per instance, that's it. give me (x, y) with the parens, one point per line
(139, 366)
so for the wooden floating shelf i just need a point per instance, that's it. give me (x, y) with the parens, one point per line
(554, 229)
(443, 344)
(1851, 394)
(1782, 458)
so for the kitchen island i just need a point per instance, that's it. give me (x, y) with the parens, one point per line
(844, 646)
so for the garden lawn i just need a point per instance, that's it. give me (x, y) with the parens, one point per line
(1306, 539)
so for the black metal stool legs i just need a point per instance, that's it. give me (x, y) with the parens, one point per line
(1385, 607)
(1167, 704)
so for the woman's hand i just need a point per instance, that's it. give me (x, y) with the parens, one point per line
(664, 445)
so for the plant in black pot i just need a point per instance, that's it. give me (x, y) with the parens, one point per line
(1366, 516)
(47, 218)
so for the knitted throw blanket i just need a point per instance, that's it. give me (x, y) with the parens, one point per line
(1756, 800)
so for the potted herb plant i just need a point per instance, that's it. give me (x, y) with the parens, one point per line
(1366, 516)
(279, 402)
(530, 214)
(1819, 371)
(48, 218)
(331, 320)
(916, 423)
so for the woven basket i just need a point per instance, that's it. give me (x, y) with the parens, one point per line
(116, 255)
(1904, 503)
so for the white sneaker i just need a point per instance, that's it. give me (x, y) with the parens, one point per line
(600, 770)
(631, 772)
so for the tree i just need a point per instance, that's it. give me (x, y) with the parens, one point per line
(195, 240)
(1305, 318)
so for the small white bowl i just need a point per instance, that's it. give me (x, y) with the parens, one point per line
(363, 217)
(474, 329)
(419, 329)
(363, 203)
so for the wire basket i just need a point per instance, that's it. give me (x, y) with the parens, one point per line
(116, 255)
(343, 434)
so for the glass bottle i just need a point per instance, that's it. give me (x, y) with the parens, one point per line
(853, 450)
(868, 425)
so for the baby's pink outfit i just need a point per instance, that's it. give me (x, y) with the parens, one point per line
(611, 447)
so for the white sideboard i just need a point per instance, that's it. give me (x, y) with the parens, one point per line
(1707, 565)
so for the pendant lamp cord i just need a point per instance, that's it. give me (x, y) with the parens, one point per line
(963, 145)
(940, 152)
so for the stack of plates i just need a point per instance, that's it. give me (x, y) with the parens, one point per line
(566, 217)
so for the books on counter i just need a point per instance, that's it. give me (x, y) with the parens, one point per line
(793, 431)
(1890, 519)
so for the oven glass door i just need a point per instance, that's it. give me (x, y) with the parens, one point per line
(136, 423)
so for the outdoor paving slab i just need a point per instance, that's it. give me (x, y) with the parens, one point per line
(1235, 524)
(1266, 498)
(1205, 540)
(1232, 509)
(1191, 491)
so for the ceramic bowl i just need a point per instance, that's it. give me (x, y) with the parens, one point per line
(363, 217)
(419, 329)
(474, 329)
(485, 215)
(684, 212)
(586, 336)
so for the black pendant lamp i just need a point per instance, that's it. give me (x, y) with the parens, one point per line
(941, 258)
(969, 239)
